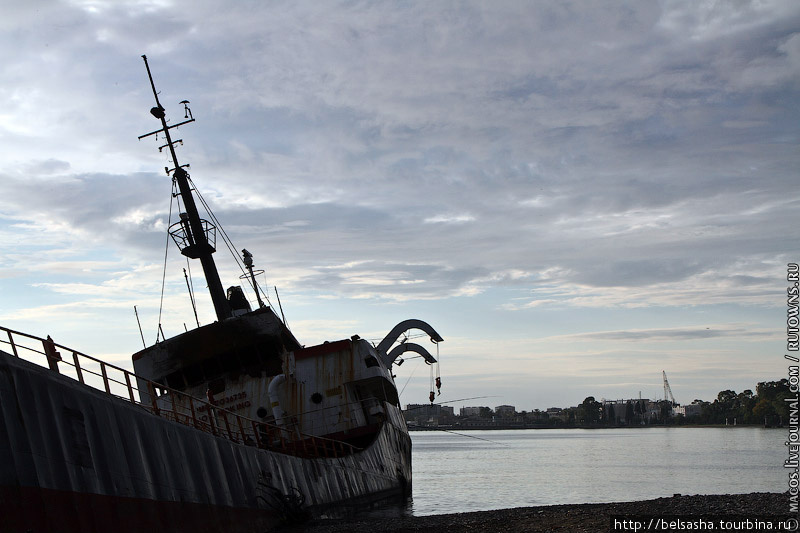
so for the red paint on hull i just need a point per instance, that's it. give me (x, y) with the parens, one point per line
(27, 509)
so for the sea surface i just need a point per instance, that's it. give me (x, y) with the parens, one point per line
(484, 470)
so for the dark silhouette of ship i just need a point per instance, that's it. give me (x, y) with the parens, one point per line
(232, 426)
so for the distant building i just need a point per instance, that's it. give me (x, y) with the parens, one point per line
(470, 411)
(536, 416)
(694, 408)
(635, 414)
(653, 410)
(505, 410)
(428, 415)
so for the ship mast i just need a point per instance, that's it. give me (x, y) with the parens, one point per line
(191, 234)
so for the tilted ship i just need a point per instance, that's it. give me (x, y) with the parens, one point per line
(232, 426)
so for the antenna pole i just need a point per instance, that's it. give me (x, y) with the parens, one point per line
(152, 84)
(280, 306)
(195, 230)
(140, 326)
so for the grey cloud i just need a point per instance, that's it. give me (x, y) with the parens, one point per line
(392, 281)
(47, 167)
(595, 157)
(636, 273)
(364, 127)
(85, 202)
(670, 334)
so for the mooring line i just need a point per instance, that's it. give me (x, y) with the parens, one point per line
(471, 436)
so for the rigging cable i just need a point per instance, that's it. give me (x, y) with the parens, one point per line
(164, 271)
(454, 432)
(453, 401)
(226, 239)
(375, 340)
(410, 376)
(473, 437)
(190, 286)
(228, 242)
(432, 395)
(438, 372)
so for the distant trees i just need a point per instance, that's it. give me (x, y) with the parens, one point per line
(766, 406)
(611, 416)
(589, 412)
(769, 404)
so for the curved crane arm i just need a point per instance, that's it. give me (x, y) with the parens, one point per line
(408, 347)
(398, 330)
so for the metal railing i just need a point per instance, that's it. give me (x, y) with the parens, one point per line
(167, 403)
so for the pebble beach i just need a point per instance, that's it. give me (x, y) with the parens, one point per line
(578, 518)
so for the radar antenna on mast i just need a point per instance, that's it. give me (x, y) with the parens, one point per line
(247, 257)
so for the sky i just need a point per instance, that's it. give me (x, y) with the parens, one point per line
(576, 195)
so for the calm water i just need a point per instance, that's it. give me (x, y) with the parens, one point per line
(454, 473)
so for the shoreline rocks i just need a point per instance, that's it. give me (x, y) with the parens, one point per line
(588, 517)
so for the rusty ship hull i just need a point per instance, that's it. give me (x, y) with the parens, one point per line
(81, 459)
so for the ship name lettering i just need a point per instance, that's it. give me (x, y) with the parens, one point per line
(228, 400)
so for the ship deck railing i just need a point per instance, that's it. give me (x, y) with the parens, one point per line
(180, 407)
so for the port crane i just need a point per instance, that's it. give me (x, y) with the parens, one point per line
(668, 390)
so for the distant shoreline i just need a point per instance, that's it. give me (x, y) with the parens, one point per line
(489, 427)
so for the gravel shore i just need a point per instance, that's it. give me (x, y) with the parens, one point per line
(578, 518)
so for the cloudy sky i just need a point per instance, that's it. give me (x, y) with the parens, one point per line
(576, 195)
